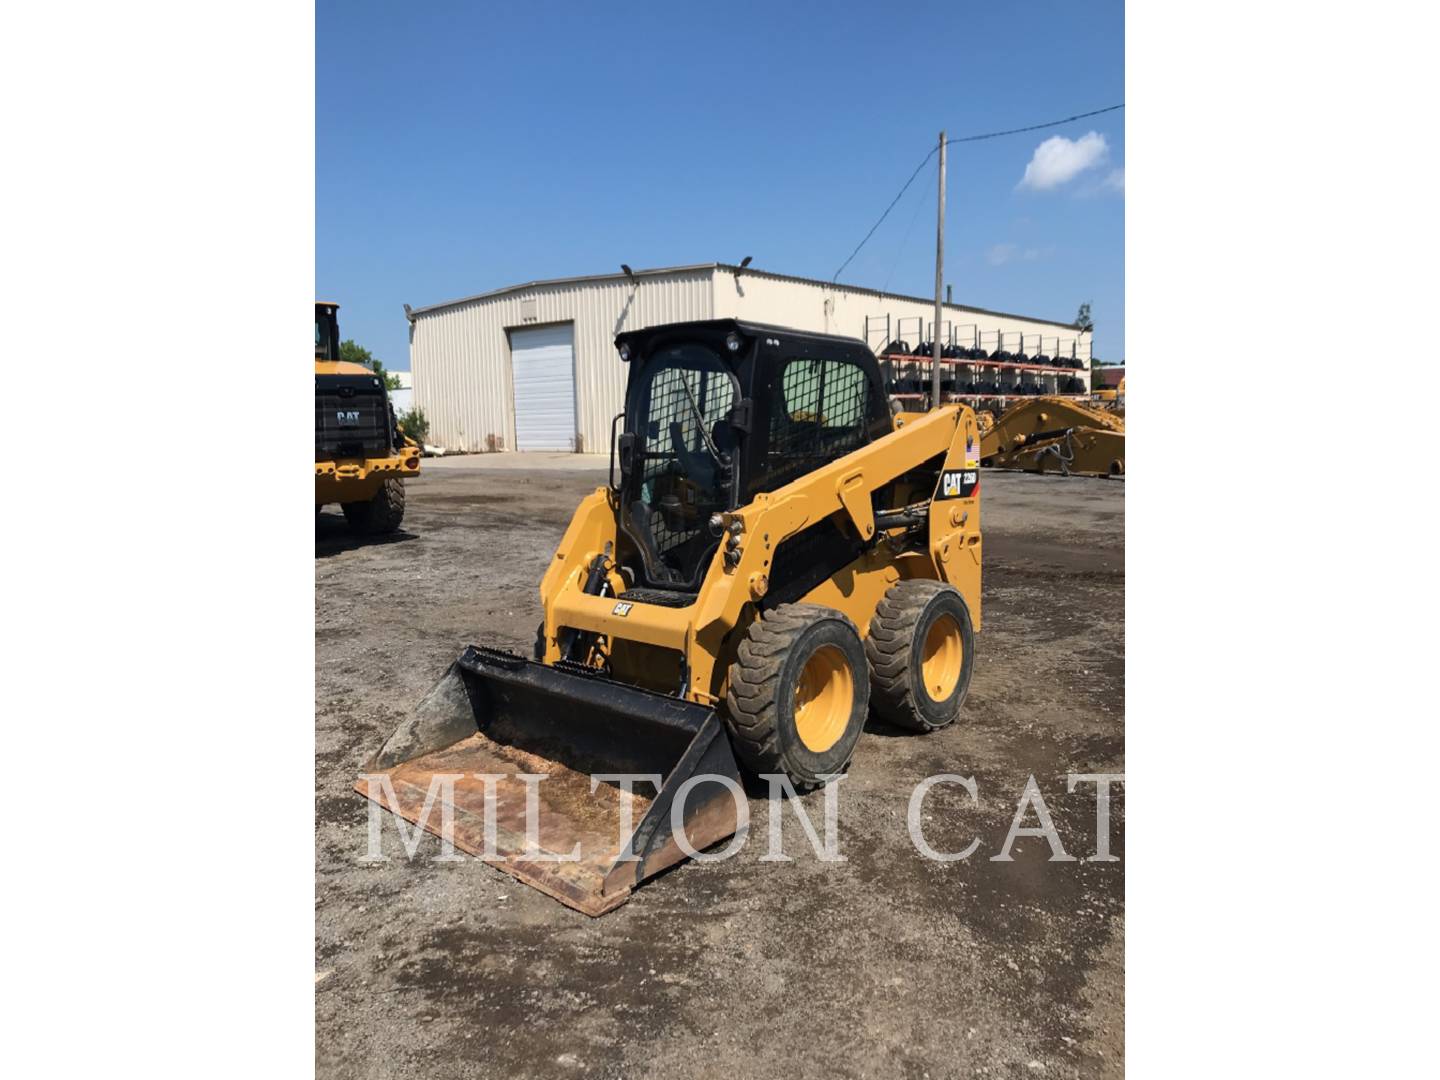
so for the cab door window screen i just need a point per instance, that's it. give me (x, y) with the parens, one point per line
(685, 397)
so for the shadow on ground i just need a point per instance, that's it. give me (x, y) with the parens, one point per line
(334, 535)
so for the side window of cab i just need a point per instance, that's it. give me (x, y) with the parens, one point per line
(819, 410)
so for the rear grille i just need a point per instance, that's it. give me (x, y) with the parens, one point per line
(352, 417)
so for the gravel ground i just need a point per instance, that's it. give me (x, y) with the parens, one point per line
(885, 965)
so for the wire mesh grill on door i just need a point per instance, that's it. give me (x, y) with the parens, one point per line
(681, 483)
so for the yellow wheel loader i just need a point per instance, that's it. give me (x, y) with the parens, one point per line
(1047, 434)
(1114, 397)
(775, 555)
(361, 454)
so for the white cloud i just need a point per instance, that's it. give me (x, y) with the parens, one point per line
(1000, 254)
(1058, 160)
(1112, 183)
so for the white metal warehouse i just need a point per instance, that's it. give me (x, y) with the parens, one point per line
(533, 366)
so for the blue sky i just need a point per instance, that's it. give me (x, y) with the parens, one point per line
(466, 146)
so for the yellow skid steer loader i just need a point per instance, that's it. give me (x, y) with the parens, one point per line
(776, 554)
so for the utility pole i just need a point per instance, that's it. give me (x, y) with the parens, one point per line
(939, 279)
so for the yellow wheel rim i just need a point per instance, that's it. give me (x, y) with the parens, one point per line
(824, 698)
(943, 658)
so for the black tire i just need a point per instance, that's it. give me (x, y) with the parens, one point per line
(761, 703)
(381, 514)
(896, 651)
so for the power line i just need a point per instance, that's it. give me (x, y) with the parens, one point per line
(887, 212)
(963, 139)
(909, 229)
(1035, 127)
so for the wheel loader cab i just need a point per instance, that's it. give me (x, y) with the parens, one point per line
(327, 332)
(719, 412)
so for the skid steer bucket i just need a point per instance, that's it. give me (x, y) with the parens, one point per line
(498, 721)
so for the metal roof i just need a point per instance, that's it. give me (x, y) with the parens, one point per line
(748, 326)
(664, 271)
(658, 272)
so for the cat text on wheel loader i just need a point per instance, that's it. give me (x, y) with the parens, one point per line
(776, 555)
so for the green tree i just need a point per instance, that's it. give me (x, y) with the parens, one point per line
(355, 354)
(1082, 319)
(358, 354)
(414, 424)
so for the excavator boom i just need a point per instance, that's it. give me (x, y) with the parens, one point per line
(1048, 434)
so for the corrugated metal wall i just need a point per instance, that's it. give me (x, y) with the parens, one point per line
(460, 355)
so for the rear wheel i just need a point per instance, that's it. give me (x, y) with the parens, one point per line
(381, 514)
(921, 650)
(798, 694)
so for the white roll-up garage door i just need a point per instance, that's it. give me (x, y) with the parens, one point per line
(543, 363)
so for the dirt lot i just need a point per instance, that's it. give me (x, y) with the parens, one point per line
(886, 965)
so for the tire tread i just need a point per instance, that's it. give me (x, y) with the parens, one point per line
(380, 514)
(751, 700)
(889, 650)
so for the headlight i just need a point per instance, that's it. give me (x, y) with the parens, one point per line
(733, 341)
(624, 352)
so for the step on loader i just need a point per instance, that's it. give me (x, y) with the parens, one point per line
(776, 554)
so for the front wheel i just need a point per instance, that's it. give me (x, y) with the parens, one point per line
(798, 694)
(380, 514)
